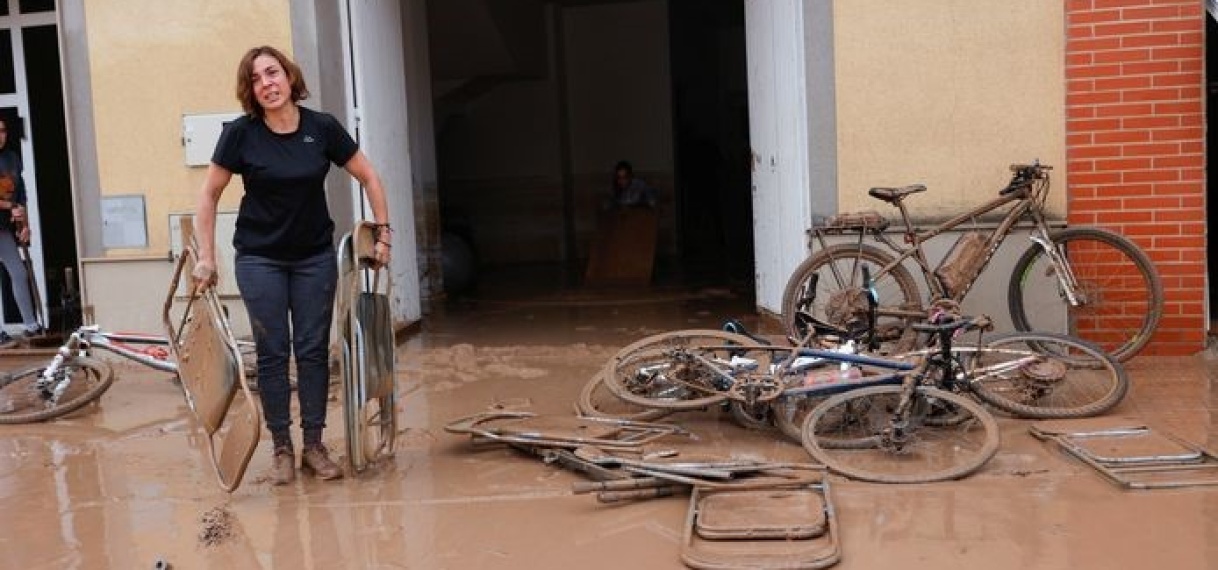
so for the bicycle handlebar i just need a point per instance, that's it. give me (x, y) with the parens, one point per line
(1025, 174)
(1036, 166)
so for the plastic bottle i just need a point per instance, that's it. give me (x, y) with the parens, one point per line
(844, 373)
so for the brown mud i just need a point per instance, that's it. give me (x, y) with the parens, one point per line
(125, 483)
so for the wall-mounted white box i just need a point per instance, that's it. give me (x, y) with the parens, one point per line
(200, 133)
(123, 222)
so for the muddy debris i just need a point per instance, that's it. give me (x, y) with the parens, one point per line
(217, 527)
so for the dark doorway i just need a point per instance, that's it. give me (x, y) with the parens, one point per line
(532, 108)
(710, 120)
(46, 125)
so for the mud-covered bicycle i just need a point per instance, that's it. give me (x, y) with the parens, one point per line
(913, 412)
(75, 376)
(1105, 286)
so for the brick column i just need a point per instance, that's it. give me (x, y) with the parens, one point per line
(1136, 143)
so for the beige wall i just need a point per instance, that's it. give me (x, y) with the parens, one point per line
(947, 93)
(151, 62)
(132, 296)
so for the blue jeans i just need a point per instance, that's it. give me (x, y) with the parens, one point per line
(290, 306)
(19, 278)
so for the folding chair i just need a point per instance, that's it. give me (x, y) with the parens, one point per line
(365, 330)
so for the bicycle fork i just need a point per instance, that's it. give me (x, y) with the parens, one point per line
(897, 436)
(1066, 280)
(50, 385)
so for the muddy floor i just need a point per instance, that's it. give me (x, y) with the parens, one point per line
(125, 483)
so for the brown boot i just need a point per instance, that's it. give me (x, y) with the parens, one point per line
(315, 459)
(283, 466)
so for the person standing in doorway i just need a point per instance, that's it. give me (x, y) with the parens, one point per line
(14, 233)
(285, 263)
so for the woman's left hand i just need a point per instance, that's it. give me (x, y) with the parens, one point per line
(383, 253)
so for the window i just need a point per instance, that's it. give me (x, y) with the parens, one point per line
(8, 81)
(32, 6)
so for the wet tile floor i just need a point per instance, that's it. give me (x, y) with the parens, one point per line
(125, 483)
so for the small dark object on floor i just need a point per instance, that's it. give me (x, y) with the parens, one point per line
(217, 527)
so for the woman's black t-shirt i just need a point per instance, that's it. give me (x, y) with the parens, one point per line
(283, 214)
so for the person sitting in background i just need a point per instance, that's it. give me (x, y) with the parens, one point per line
(628, 191)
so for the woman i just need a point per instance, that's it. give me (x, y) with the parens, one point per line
(285, 261)
(14, 230)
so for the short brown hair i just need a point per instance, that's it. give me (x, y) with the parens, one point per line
(245, 81)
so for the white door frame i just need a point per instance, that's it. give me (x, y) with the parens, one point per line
(779, 136)
(377, 115)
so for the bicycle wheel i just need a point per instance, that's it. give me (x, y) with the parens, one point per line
(84, 380)
(1122, 294)
(908, 450)
(839, 299)
(596, 400)
(1046, 376)
(683, 370)
(790, 413)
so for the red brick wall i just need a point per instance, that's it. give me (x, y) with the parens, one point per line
(1135, 128)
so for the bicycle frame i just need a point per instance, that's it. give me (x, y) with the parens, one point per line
(88, 337)
(899, 371)
(902, 371)
(804, 359)
(1027, 200)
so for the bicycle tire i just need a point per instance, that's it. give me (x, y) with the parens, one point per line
(839, 294)
(1063, 377)
(22, 403)
(639, 372)
(597, 401)
(1125, 293)
(790, 413)
(931, 452)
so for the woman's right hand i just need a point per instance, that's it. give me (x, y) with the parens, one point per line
(204, 276)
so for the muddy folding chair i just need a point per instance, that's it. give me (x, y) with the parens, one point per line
(663, 476)
(365, 330)
(1132, 455)
(209, 366)
(781, 527)
(566, 432)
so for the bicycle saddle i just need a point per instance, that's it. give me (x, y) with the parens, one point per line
(891, 195)
(736, 327)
